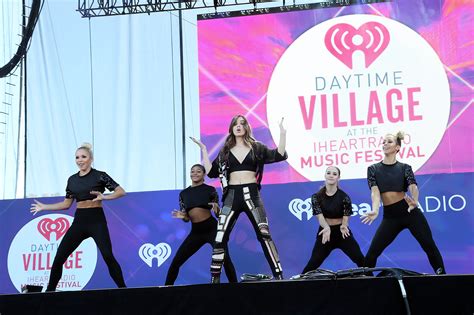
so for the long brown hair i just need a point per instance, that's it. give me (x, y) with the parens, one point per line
(230, 140)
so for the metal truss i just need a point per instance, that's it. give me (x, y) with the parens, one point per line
(96, 8)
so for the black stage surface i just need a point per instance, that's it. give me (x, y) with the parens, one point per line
(449, 294)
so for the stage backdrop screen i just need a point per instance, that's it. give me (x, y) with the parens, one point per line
(342, 78)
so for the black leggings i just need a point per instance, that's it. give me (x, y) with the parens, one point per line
(88, 222)
(321, 251)
(201, 233)
(244, 198)
(395, 219)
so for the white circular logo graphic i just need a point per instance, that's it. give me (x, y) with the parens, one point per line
(34, 247)
(345, 83)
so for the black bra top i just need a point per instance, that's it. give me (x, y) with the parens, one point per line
(248, 164)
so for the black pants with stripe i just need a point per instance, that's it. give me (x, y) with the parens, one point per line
(244, 198)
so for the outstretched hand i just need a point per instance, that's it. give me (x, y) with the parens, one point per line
(37, 207)
(369, 217)
(345, 231)
(201, 145)
(326, 233)
(282, 128)
(178, 214)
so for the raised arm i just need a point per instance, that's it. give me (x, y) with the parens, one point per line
(205, 156)
(39, 206)
(282, 143)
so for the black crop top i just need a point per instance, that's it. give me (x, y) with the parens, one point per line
(332, 207)
(79, 187)
(197, 196)
(261, 154)
(248, 164)
(390, 177)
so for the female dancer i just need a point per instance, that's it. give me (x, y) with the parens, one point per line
(86, 187)
(195, 203)
(389, 180)
(239, 165)
(333, 207)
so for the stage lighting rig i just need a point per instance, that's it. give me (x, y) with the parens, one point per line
(97, 8)
(91, 8)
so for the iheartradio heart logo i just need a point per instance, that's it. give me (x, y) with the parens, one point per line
(342, 40)
(297, 207)
(47, 226)
(161, 252)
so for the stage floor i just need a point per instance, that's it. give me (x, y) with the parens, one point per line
(448, 294)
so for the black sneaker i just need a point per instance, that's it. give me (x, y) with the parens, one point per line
(278, 277)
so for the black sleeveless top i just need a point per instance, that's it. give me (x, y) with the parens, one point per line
(79, 187)
(248, 164)
(332, 207)
(197, 196)
(390, 177)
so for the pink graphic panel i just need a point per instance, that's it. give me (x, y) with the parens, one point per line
(237, 57)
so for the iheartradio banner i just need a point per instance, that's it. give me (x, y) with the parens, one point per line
(145, 238)
(343, 78)
(32, 250)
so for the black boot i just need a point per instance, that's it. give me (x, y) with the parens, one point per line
(216, 279)
(440, 271)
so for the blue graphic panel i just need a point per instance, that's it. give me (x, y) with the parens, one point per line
(145, 237)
